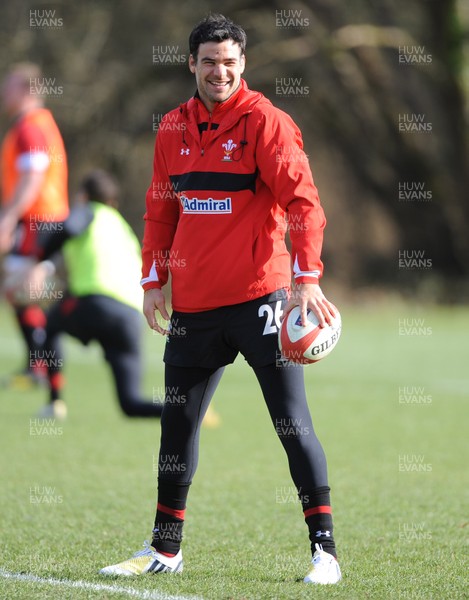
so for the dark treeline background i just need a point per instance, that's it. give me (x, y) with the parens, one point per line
(378, 87)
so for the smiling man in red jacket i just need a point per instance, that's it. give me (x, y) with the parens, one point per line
(230, 173)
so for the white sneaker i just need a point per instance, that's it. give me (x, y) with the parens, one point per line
(147, 560)
(54, 410)
(325, 569)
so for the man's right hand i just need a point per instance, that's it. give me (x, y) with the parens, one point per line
(154, 300)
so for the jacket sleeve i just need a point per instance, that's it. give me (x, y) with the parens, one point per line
(161, 217)
(284, 168)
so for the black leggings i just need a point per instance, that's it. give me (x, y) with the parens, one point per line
(117, 328)
(188, 394)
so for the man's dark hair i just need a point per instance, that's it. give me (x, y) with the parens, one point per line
(216, 28)
(101, 187)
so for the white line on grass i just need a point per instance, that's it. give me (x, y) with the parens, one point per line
(96, 587)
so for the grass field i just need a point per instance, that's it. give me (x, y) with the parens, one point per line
(390, 406)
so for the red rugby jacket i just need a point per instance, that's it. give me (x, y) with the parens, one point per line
(226, 188)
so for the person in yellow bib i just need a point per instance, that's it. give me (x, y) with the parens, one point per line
(104, 299)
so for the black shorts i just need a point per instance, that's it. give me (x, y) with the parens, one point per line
(213, 338)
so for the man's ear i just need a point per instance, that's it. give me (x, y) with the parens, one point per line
(192, 63)
(242, 63)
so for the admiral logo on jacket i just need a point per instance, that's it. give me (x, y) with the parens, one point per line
(205, 207)
(226, 213)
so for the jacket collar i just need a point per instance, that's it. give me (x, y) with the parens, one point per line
(226, 114)
(221, 108)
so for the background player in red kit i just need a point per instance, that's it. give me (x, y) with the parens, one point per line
(34, 180)
(235, 169)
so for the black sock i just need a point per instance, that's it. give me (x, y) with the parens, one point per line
(169, 520)
(32, 321)
(316, 505)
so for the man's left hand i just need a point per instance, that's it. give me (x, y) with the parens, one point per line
(309, 295)
(7, 230)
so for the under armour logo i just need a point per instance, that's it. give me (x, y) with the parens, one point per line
(323, 533)
(185, 151)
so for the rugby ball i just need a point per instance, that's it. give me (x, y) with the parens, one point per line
(311, 343)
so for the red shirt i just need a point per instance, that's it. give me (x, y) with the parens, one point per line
(36, 134)
(222, 186)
